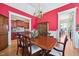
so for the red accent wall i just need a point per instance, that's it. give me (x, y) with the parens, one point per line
(77, 16)
(52, 16)
(4, 10)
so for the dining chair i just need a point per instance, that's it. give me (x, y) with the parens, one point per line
(60, 49)
(33, 49)
(21, 43)
(29, 47)
(18, 36)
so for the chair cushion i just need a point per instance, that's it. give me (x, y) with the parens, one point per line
(56, 53)
(59, 46)
(35, 48)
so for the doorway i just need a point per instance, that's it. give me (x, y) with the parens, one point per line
(67, 23)
(17, 23)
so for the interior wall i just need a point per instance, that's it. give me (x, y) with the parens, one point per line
(77, 17)
(52, 16)
(4, 10)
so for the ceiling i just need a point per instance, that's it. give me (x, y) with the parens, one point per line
(31, 8)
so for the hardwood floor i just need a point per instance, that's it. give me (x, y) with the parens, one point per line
(70, 50)
(11, 51)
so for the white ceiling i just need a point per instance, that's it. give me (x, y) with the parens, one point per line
(30, 8)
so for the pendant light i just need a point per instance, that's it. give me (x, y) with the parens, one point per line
(38, 12)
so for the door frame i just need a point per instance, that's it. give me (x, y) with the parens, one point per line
(9, 32)
(66, 12)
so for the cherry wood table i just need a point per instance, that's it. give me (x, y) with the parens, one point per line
(46, 43)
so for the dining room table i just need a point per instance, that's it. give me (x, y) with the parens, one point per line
(45, 43)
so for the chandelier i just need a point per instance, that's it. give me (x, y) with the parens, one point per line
(38, 12)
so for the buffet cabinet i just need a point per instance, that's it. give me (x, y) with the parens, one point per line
(42, 28)
(3, 32)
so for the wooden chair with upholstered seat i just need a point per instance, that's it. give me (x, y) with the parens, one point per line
(60, 49)
(19, 42)
(22, 43)
(33, 49)
(25, 44)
